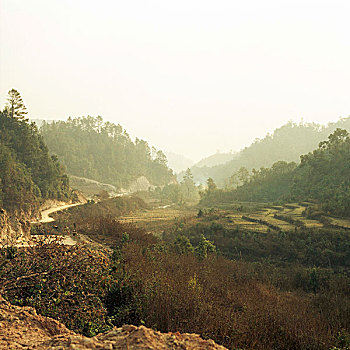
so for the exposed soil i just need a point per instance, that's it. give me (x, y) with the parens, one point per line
(22, 328)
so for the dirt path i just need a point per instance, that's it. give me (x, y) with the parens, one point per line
(45, 214)
(45, 218)
(66, 240)
(63, 239)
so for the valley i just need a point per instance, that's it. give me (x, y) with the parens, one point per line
(111, 237)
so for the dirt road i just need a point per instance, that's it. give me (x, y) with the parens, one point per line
(45, 214)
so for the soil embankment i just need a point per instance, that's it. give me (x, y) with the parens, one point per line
(22, 328)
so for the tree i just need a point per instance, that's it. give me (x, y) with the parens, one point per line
(243, 175)
(15, 105)
(182, 245)
(211, 186)
(189, 186)
(204, 247)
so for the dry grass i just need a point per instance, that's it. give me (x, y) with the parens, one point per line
(339, 222)
(160, 219)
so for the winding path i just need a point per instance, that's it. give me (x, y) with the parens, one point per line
(45, 218)
(45, 214)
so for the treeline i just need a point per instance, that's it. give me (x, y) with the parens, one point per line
(104, 152)
(183, 193)
(28, 174)
(286, 143)
(323, 176)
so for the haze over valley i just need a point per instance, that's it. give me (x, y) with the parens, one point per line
(174, 175)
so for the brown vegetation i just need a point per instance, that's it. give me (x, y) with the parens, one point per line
(147, 281)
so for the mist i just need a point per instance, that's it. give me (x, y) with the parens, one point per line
(191, 77)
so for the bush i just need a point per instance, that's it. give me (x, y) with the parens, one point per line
(67, 283)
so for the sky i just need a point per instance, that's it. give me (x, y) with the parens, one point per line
(189, 76)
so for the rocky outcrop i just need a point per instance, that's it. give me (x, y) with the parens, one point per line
(13, 227)
(22, 328)
(91, 187)
(140, 184)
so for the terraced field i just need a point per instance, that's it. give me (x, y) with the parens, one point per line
(286, 218)
(294, 212)
(276, 218)
(157, 220)
(270, 221)
(236, 220)
(339, 222)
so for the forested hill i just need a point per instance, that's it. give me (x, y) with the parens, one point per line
(321, 176)
(103, 151)
(286, 143)
(28, 174)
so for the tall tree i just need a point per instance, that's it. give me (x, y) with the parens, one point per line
(15, 105)
(211, 186)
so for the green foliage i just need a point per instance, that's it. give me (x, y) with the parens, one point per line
(182, 245)
(264, 185)
(67, 283)
(103, 151)
(286, 143)
(309, 247)
(322, 176)
(27, 172)
(15, 106)
(204, 247)
(189, 191)
(184, 193)
(200, 213)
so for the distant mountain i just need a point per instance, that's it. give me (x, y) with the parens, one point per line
(201, 169)
(178, 162)
(216, 159)
(286, 143)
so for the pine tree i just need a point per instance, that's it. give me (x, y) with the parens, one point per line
(15, 105)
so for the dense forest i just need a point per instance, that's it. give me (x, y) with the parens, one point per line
(28, 174)
(286, 143)
(322, 176)
(103, 151)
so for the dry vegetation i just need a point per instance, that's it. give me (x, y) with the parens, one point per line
(274, 289)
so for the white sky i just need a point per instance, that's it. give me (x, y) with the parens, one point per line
(189, 76)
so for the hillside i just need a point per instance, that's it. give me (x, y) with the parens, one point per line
(104, 152)
(215, 159)
(322, 176)
(178, 162)
(286, 143)
(28, 174)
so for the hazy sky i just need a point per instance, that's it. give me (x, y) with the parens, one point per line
(190, 76)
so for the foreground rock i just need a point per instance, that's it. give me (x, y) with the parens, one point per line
(22, 328)
(13, 227)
